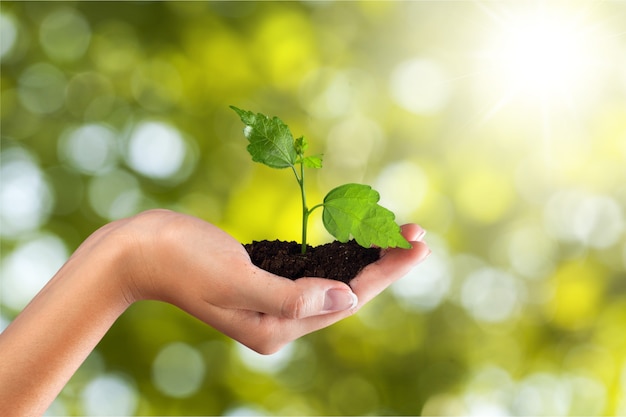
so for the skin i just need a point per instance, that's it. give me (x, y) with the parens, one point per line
(162, 255)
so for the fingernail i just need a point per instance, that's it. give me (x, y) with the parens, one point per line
(420, 235)
(339, 300)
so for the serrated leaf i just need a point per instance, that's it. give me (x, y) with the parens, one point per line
(271, 141)
(352, 210)
(247, 117)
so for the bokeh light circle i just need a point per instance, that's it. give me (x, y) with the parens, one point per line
(491, 295)
(90, 148)
(65, 34)
(41, 88)
(8, 34)
(156, 150)
(114, 195)
(419, 85)
(29, 267)
(531, 252)
(109, 395)
(425, 288)
(90, 96)
(484, 196)
(402, 186)
(578, 216)
(178, 370)
(25, 196)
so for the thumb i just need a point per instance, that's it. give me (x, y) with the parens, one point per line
(314, 296)
(304, 297)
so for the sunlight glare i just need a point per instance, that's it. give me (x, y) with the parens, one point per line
(543, 55)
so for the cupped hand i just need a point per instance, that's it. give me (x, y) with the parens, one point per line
(204, 271)
(187, 262)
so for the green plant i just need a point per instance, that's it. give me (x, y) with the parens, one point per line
(348, 210)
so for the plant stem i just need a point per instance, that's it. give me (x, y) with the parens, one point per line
(305, 219)
(305, 210)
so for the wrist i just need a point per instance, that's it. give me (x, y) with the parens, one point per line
(116, 248)
(137, 255)
(54, 334)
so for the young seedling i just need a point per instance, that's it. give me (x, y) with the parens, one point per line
(348, 210)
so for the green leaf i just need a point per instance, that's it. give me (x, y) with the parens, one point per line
(352, 210)
(271, 141)
(314, 161)
(301, 145)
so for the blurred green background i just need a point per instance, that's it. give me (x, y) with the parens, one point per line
(500, 127)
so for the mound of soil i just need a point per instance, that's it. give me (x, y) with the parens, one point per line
(335, 260)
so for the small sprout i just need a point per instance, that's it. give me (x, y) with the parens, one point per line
(348, 210)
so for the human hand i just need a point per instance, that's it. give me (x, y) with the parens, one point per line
(187, 262)
(268, 332)
(204, 271)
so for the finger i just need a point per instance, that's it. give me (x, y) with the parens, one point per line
(264, 333)
(281, 297)
(267, 333)
(393, 265)
(305, 297)
(413, 232)
(372, 280)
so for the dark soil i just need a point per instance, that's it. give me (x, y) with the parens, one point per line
(335, 260)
